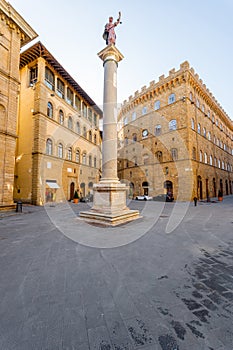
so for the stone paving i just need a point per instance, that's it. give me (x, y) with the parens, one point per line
(164, 291)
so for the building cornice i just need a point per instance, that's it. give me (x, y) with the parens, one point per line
(39, 50)
(15, 22)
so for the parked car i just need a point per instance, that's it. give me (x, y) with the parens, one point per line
(143, 198)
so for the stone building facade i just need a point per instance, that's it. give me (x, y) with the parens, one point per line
(175, 137)
(59, 144)
(15, 32)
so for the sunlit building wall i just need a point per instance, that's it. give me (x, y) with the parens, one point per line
(176, 137)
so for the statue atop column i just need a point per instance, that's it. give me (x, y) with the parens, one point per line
(109, 30)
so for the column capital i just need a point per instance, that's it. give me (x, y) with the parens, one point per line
(110, 53)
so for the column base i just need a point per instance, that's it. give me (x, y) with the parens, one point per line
(109, 206)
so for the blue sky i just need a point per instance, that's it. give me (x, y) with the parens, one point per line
(155, 36)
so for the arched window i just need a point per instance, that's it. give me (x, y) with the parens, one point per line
(205, 158)
(144, 110)
(171, 98)
(126, 140)
(90, 135)
(61, 117)
(211, 160)
(77, 156)
(159, 156)
(125, 120)
(192, 124)
(49, 147)
(174, 153)
(84, 131)
(70, 123)
(134, 116)
(200, 156)
(198, 103)
(95, 162)
(219, 163)
(78, 130)
(90, 160)
(209, 136)
(50, 110)
(223, 165)
(95, 139)
(203, 108)
(134, 137)
(84, 158)
(60, 150)
(199, 128)
(173, 124)
(158, 129)
(145, 159)
(191, 96)
(69, 153)
(156, 105)
(194, 153)
(204, 132)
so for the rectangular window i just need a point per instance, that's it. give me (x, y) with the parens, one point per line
(33, 75)
(69, 97)
(49, 78)
(60, 88)
(84, 110)
(77, 103)
(90, 115)
(95, 119)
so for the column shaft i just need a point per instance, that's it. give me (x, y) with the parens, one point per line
(109, 167)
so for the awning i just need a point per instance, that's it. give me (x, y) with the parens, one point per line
(52, 184)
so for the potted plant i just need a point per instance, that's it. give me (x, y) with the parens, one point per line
(76, 197)
(220, 195)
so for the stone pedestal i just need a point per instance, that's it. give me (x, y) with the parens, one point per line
(109, 195)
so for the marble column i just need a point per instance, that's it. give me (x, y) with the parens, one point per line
(109, 195)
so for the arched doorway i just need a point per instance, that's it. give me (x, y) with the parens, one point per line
(72, 190)
(82, 188)
(90, 190)
(214, 187)
(199, 187)
(145, 186)
(227, 191)
(221, 186)
(131, 189)
(207, 188)
(168, 185)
